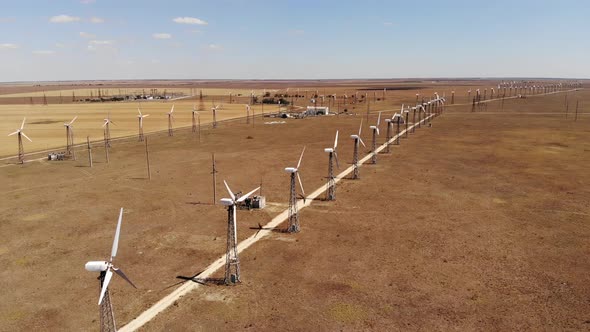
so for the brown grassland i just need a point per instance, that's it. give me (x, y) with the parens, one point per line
(480, 222)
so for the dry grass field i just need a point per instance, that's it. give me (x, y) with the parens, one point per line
(480, 222)
(45, 122)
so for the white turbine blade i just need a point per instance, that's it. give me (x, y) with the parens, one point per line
(139, 111)
(145, 116)
(74, 119)
(300, 184)
(27, 137)
(231, 194)
(336, 158)
(361, 140)
(16, 132)
(379, 119)
(122, 275)
(105, 122)
(105, 285)
(336, 140)
(172, 110)
(377, 130)
(243, 198)
(117, 233)
(360, 127)
(23, 124)
(300, 158)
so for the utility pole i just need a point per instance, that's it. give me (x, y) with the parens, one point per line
(214, 172)
(147, 158)
(89, 151)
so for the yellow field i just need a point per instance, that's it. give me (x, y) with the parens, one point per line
(45, 127)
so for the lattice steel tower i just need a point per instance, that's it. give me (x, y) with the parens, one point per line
(331, 190)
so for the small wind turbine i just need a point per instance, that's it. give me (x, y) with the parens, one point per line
(107, 130)
(232, 262)
(331, 192)
(355, 156)
(170, 120)
(19, 132)
(70, 136)
(106, 269)
(140, 119)
(293, 211)
(194, 114)
(389, 125)
(407, 113)
(247, 114)
(375, 129)
(214, 110)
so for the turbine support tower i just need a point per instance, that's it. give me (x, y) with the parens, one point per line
(331, 192)
(355, 160)
(107, 317)
(232, 262)
(293, 212)
(332, 155)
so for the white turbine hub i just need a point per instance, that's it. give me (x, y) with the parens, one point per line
(354, 136)
(290, 169)
(328, 150)
(96, 266)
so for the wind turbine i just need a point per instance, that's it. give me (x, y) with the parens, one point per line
(19, 132)
(355, 156)
(214, 110)
(195, 114)
(331, 192)
(232, 261)
(170, 120)
(293, 213)
(140, 118)
(407, 112)
(106, 269)
(70, 136)
(247, 114)
(389, 125)
(375, 129)
(398, 119)
(107, 130)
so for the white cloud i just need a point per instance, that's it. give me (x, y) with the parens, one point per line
(162, 36)
(94, 45)
(8, 46)
(60, 45)
(189, 20)
(64, 19)
(44, 52)
(214, 47)
(87, 2)
(96, 20)
(87, 35)
(387, 24)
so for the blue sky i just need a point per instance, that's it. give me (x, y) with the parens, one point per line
(132, 39)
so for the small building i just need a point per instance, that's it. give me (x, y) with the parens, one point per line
(317, 110)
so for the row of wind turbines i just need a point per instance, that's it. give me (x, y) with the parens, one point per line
(106, 269)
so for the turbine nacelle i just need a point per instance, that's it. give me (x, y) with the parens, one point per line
(226, 201)
(290, 169)
(354, 136)
(329, 150)
(96, 266)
